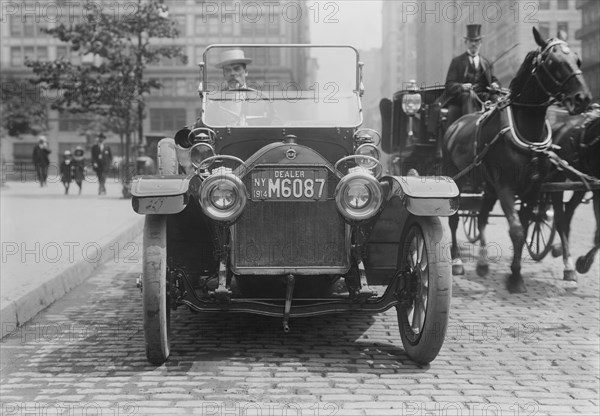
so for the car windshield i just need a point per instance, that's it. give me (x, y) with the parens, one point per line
(281, 85)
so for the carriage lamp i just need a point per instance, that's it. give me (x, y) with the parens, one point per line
(223, 196)
(358, 196)
(200, 152)
(367, 149)
(411, 101)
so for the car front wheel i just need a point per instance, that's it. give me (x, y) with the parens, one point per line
(425, 298)
(155, 291)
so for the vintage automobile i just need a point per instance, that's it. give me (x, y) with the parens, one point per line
(274, 203)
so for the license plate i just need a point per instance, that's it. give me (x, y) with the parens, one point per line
(307, 184)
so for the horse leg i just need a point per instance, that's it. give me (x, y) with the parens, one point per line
(514, 283)
(562, 222)
(457, 264)
(584, 263)
(489, 199)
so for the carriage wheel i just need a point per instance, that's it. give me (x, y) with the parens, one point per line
(541, 229)
(425, 299)
(154, 288)
(471, 226)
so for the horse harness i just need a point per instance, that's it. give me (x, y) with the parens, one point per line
(514, 138)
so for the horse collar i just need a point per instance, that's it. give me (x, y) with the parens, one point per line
(523, 143)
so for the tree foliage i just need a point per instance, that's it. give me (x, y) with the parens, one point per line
(23, 110)
(116, 51)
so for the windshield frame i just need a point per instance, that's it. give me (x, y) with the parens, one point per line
(204, 91)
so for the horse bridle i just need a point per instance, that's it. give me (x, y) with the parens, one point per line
(540, 70)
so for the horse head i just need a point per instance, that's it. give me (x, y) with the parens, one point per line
(557, 72)
(551, 73)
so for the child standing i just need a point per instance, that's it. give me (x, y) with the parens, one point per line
(66, 171)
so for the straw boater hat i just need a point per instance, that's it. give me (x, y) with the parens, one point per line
(67, 153)
(79, 153)
(474, 32)
(232, 56)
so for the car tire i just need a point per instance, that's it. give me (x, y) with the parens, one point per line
(424, 305)
(155, 303)
(167, 157)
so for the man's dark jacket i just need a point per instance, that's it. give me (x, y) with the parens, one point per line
(458, 74)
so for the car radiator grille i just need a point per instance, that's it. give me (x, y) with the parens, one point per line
(285, 235)
(275, 237)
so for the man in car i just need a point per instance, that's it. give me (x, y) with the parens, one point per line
(469, 74)
(233, 63)
(241, 105)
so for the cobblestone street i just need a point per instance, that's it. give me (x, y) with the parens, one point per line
(532, 354)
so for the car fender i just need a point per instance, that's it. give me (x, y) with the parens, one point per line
(163, 194)
(425, 195)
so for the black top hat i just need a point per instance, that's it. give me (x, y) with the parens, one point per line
(101, 136)
(474, 32)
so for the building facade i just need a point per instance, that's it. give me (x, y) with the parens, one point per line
(200, 23)
(589, 35)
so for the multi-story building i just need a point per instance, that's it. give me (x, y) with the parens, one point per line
(514, 27)
(589, 35)
(399, 50)
(507, 27)
(200, 23)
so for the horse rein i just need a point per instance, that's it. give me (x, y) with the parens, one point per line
(540, 68)
(540, 62)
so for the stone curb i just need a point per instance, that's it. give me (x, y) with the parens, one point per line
(21, 310)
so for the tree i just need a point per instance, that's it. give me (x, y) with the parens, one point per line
(116, 51)
(22, 111)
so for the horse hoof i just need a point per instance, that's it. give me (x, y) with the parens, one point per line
(557, 250)
(483, 269)
(583, 264)
(570, 276)
(515, 285)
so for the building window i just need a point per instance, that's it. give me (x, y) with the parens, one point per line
(42, 53)
(181, 24)
(563, 26)
(181, 87)
(198, 25)
(544, 28)
(544, 4)
(213, 25)
(29, 26)
(71, 122)
(15, 25)
(562, 5)
(62, 52)
(167, 119)
(16, 56)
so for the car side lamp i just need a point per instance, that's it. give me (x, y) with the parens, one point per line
(411, 103)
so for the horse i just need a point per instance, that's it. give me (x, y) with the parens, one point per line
(502, 149)
(578, 143)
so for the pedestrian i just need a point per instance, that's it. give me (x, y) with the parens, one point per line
(78, 166)
(101, 162)
(41, 161)
(66, 171)
(470, 75)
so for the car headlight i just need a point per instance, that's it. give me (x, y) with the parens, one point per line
(223, 196)
(358, 196)
(200, 152)
(367, 149)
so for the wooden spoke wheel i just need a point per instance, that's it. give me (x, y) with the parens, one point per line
(471, 226)
(425, 298)
(541, 229)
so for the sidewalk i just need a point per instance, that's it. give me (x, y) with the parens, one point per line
(52, 242)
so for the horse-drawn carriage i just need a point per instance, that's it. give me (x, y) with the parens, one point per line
(504, 152)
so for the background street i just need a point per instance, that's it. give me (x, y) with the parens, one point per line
(531, 354)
